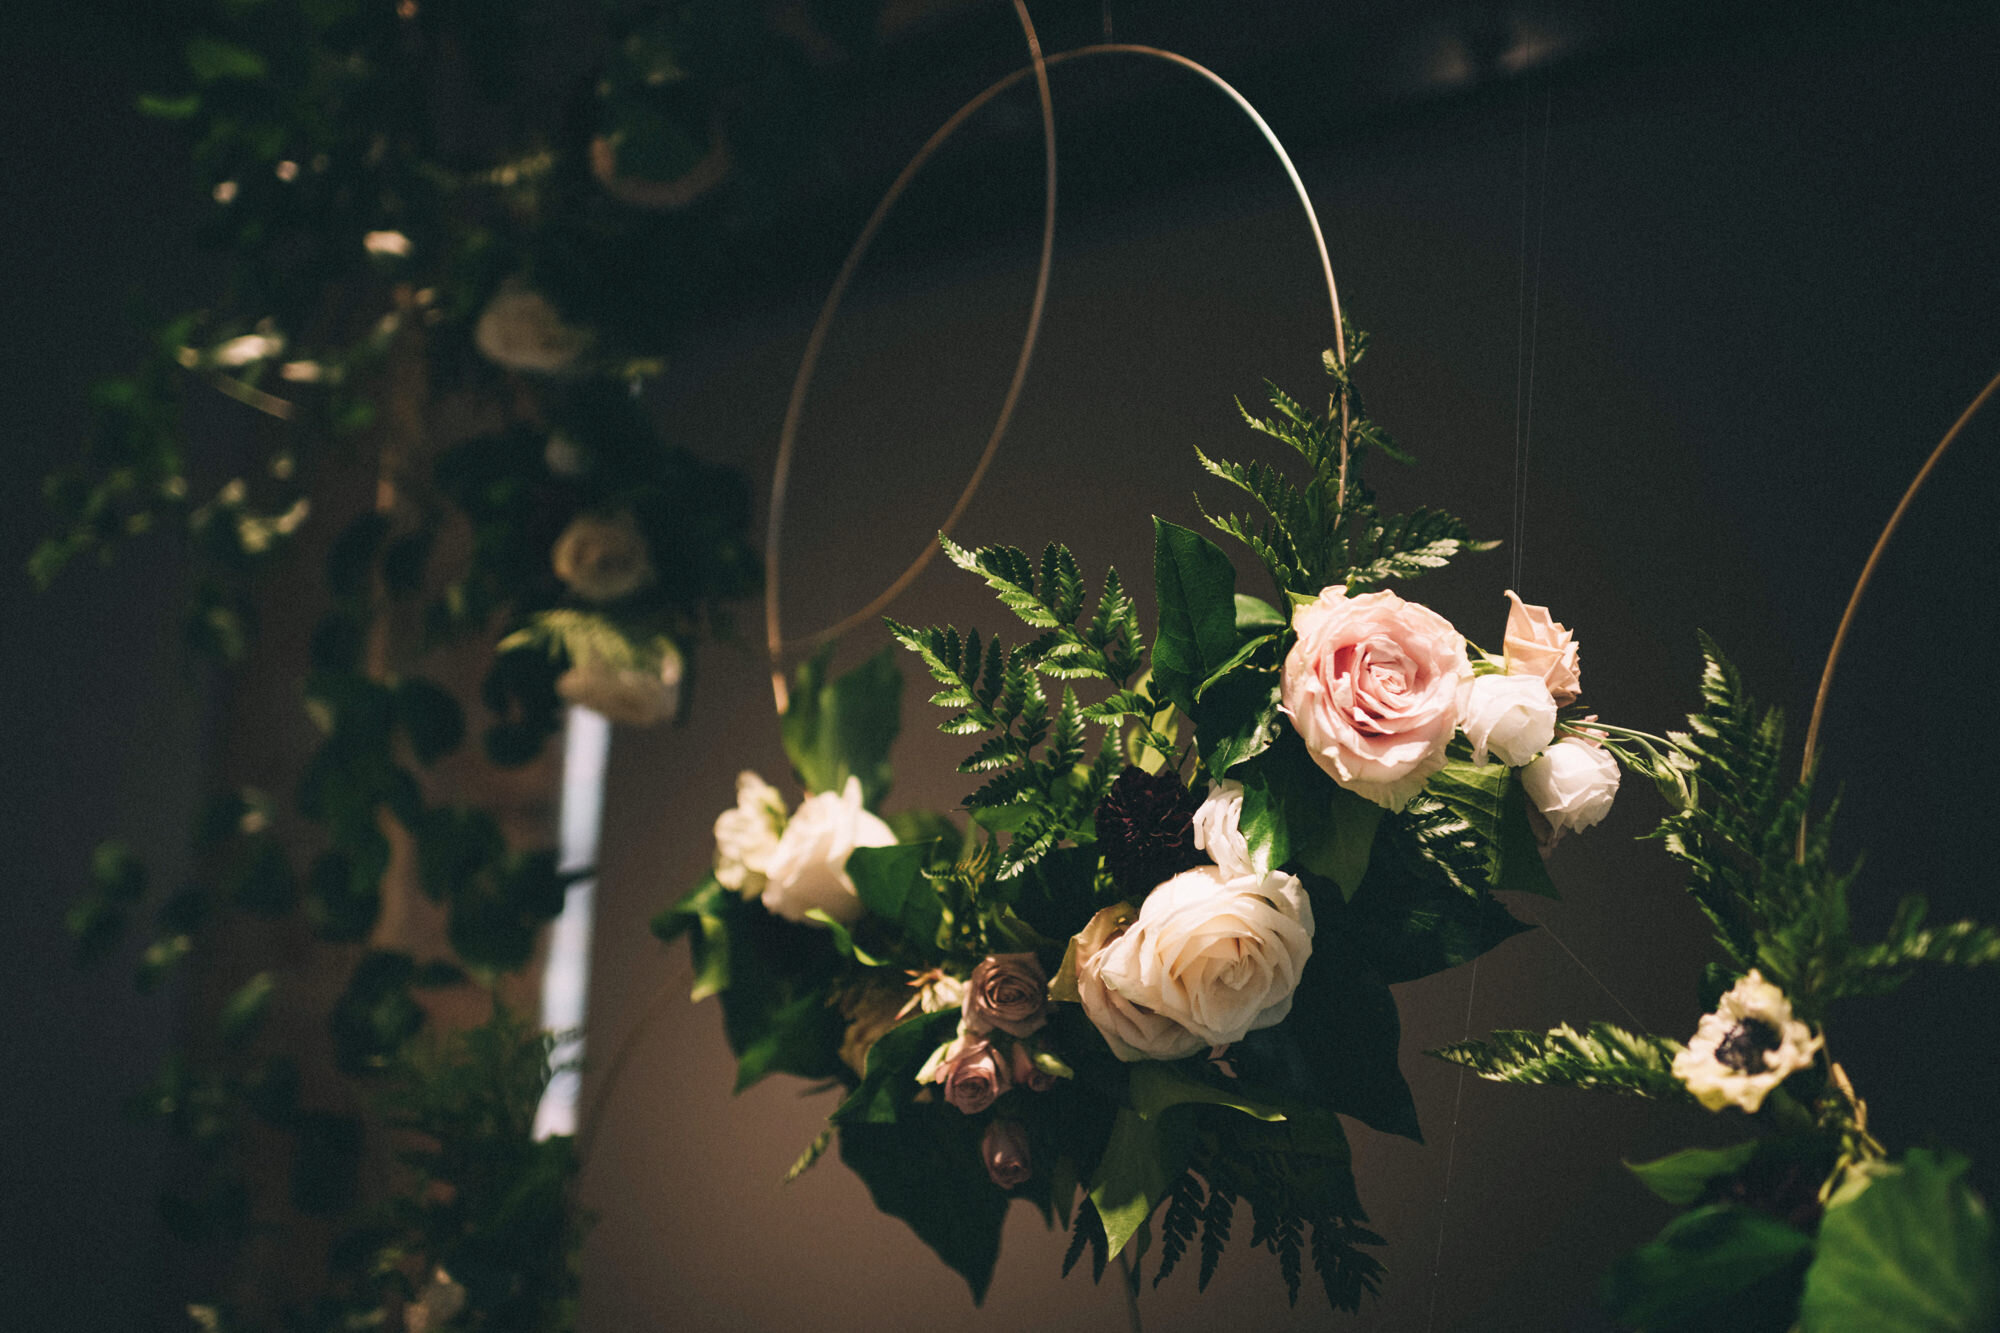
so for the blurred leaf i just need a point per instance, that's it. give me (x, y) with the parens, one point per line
(1680, 1178)
(243, 1013)
(1720, 1267)
(212, 61)
(1915, 1250)
(430, 717)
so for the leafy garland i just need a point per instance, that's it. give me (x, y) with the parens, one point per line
(980, 997)
(1810, 1223)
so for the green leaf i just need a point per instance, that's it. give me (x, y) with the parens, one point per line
(834, 730)
(1195, 588)
(1343, 858)
(430, 717)
(160, 107)
(212, 60)
(1157, 1085)
(1915, 1250)
(1141, 1161)
(1720, 1267)
(1601, 1058)
(1680, 1178)
(244, 1011)
(1249, 649)
(890, 1085)
(892, 886)
(1254, 614)
(797, 1040)
(926, 1170)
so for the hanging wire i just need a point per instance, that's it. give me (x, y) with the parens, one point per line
(780, 647)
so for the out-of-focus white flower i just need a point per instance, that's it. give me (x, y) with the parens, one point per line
(302, 372)
(521, 330)
(1747, 1047)
(1512, 716)
(562, 456)
(808, 867)
(225, 192)
(602, 558)
(1218, 829)
(629, 694)
(287, 171)
(247, 348)
(1573, 784)
(441, 1301)
(392, 244)
(747, 833)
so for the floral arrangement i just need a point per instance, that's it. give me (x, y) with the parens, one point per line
(1146, 980)
(1807, 1221)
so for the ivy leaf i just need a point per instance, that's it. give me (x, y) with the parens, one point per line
(1680, 1178)
(1717, 1267)
(1915, 1250)
(1195, 587)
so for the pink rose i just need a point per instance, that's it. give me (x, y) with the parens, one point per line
(1027, 1074)
(1374, 687)
(1537, 646)
(973, 1074)
(1005, 1152)
(1008, 991)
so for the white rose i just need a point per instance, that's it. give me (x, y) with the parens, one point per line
(1747, 1047)
(602, 559)
(633, 695)
(1218, 829)
(747, 834)
(393, 244)
(441, 1301)
(808, 867)
(1207, 959)
(1572, 784)
(521, 330)
(1513, 716)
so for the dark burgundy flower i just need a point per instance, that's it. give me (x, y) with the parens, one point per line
(1145, 828)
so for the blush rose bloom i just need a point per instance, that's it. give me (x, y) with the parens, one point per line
(1008, 991)
(1374, 686)
(1005, 1152)
(1572, 784)
(1514, 717)
(1538, 646)
(602, 558)
(1218, 829)
(808, 867)
(629, 694)
(747, 834)
(1205, 960)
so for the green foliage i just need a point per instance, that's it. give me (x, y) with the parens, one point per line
(1721, 1266)
(845, 727)
(1327, 530)
(1916, 1249)
(1600, 1057)
(925, 1169)
(1682, 1177)
(1196, 593)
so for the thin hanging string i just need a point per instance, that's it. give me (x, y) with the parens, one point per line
(776, 643)
(1526, 329)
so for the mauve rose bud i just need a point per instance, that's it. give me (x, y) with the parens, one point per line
(1005, 1152)
(1008, 991)
(974, 1076)
(1027, 1073)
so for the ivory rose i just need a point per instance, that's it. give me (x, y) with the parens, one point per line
(1747, 1047)
(747, 834)
(1537, 646)
(602, 558)
(1218, 829)
(1008, 991)
(1374, 687)
(808, 867)
(630, 694)
(1572, 784)
(1514, 717)
(1004, 1149)
(1206, 959)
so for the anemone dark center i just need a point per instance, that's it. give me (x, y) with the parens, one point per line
(1747, 1045)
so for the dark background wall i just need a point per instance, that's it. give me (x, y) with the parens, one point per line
(1767, 282)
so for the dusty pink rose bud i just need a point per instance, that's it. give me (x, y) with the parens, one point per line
(1027, 1073)
(1005, 1152)
(974, 1075)
(1374, 686)
(1008, 991)
(1537, 646)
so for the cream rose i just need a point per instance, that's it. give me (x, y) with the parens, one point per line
(747, 834)
(808, 867)
(1572, 784)
(1206, 959)
(602, 558)
(632, 695)
(1537, 646)
(1747, 1047)
(1218, 829)
(1512, 716)
(521, 330)
(1374, 686)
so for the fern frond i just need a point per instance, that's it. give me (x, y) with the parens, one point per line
(1600, 1058)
